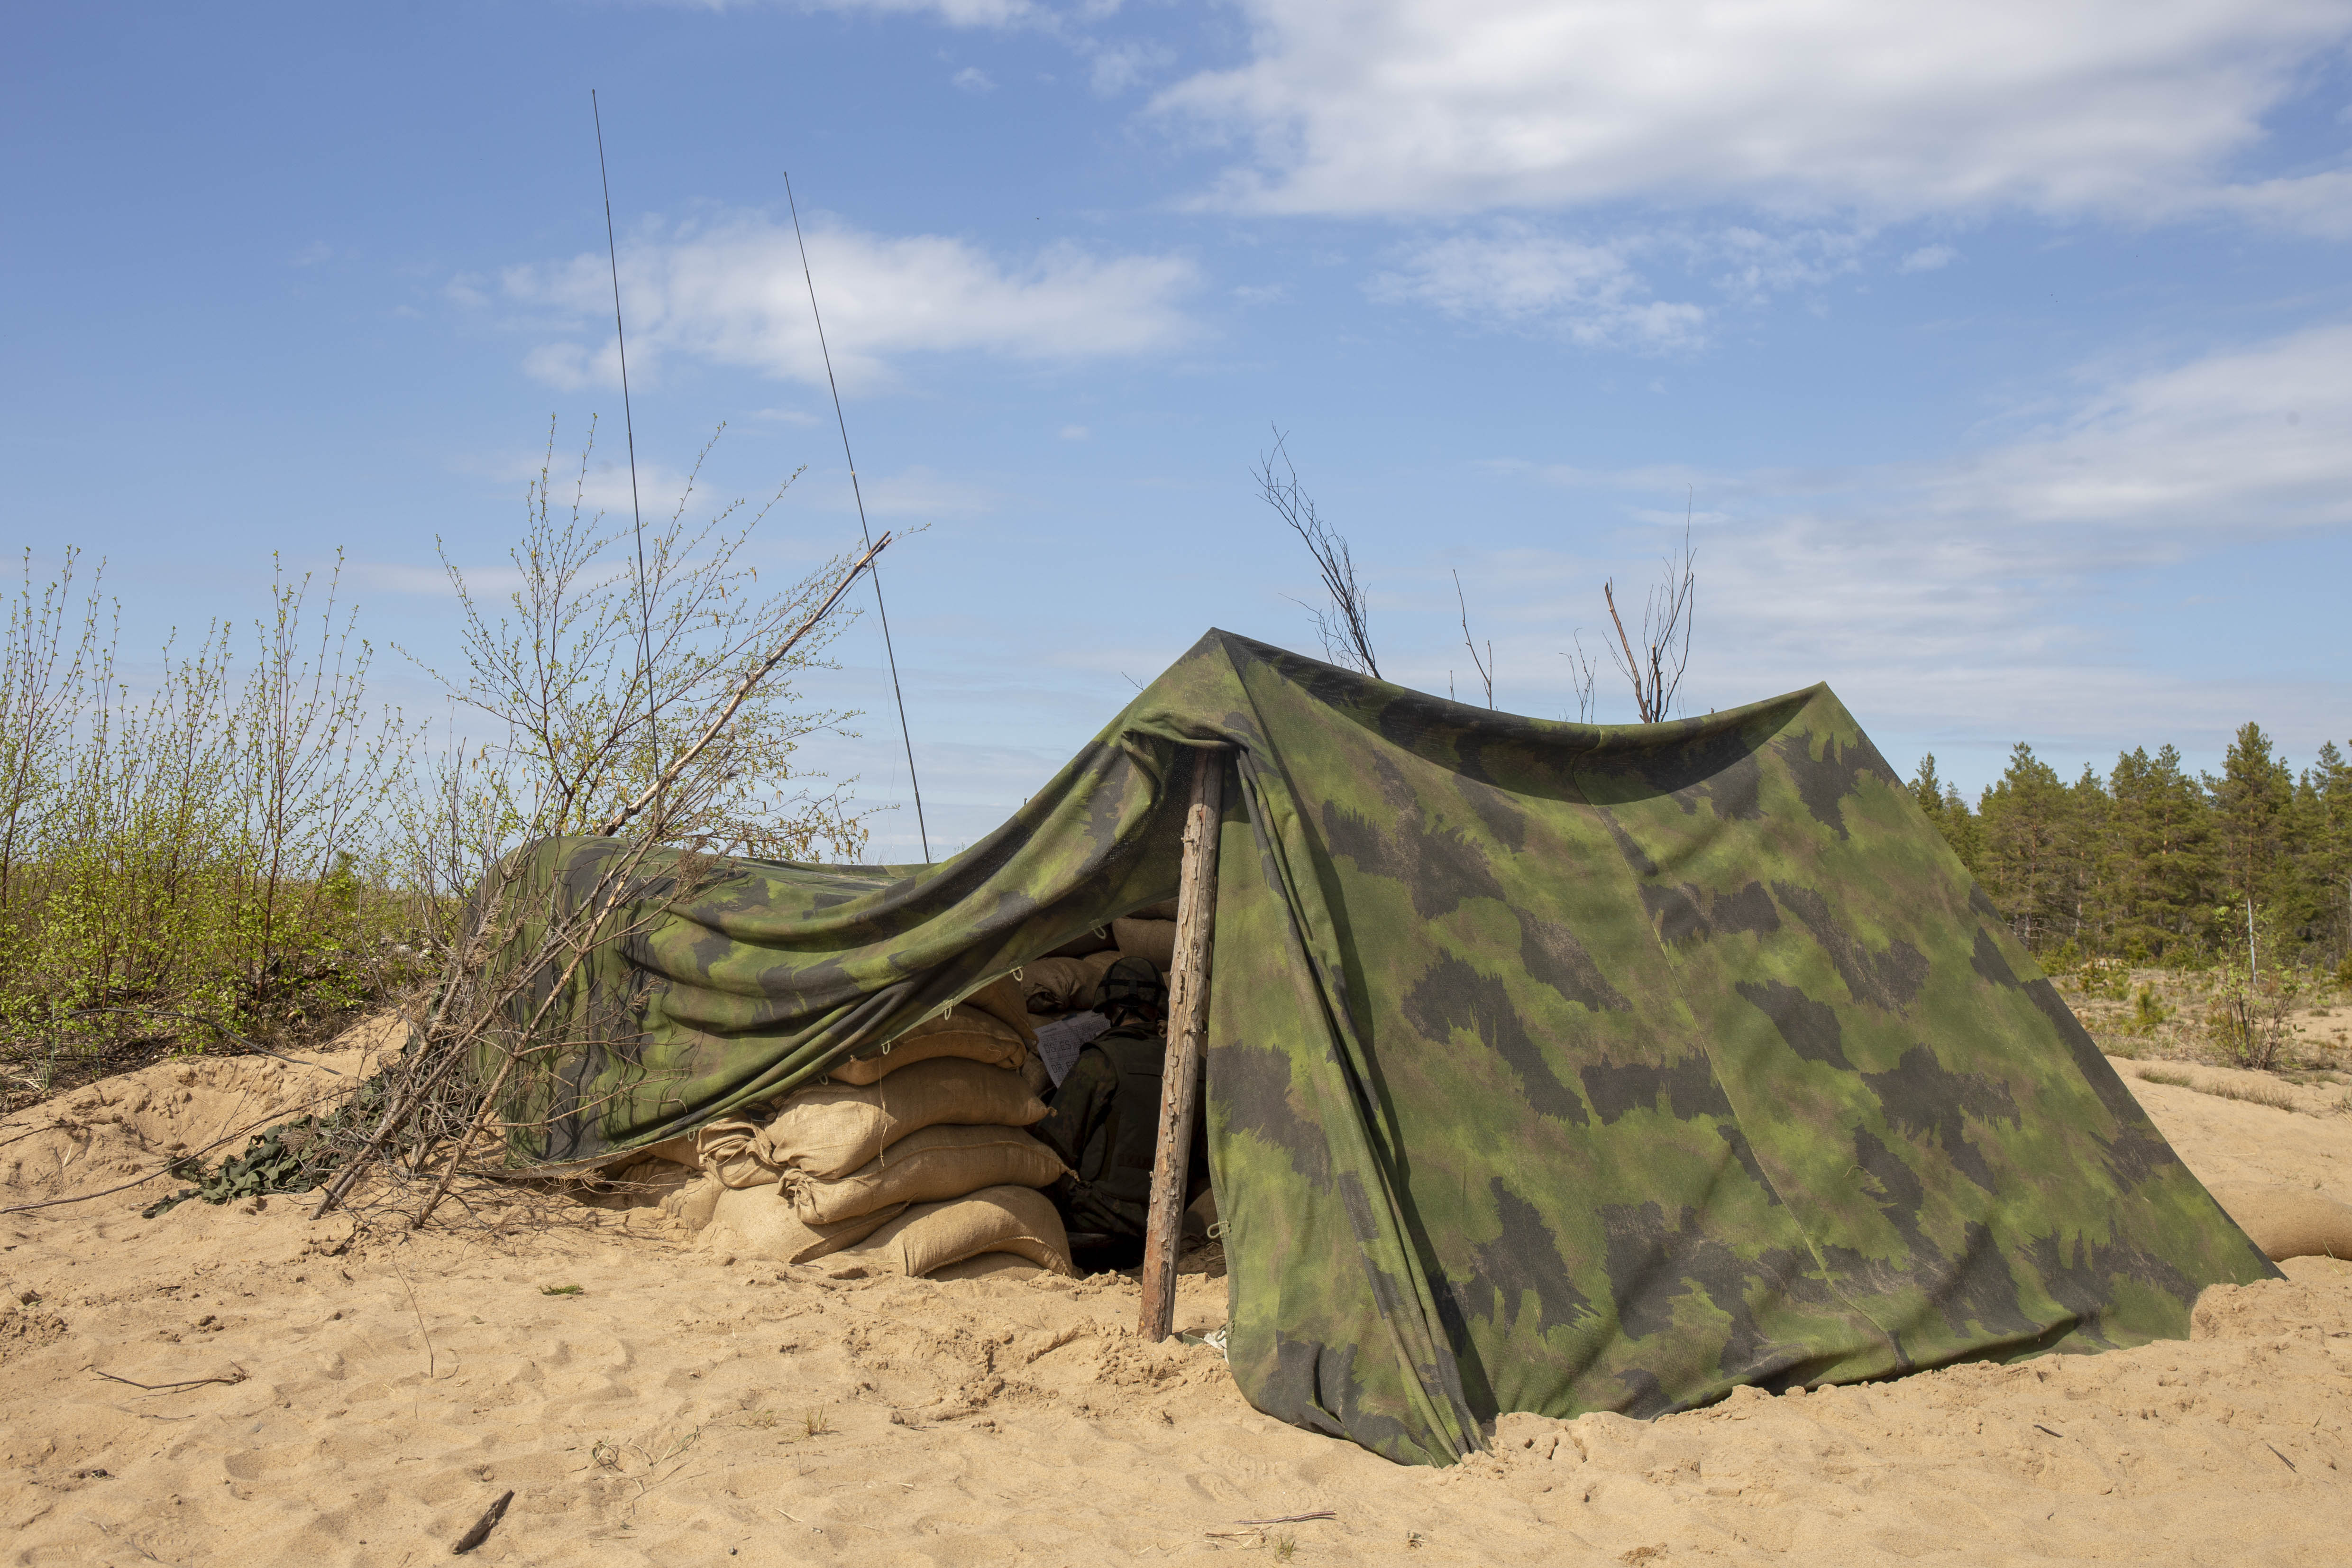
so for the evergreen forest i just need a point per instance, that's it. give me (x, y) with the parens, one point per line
(2154, 865)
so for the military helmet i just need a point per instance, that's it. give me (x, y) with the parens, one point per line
(1133, 981)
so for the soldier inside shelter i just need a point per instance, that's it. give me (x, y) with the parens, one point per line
(1104, 1120)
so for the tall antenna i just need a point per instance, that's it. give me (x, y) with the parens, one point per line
(860, 494)
(629, 426)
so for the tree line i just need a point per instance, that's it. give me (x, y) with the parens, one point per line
(2153, 864)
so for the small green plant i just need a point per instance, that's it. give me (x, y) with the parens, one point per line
(561, 1290)
(2104, 979)
(1284, 1546)
(2147, 1014)
(2253, 989)
(815, 1423)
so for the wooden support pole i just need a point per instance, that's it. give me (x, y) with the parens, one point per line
(1188, 1028)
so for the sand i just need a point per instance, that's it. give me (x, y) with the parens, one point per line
(378, 1393)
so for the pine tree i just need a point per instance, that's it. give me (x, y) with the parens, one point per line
(2028, 853)
(1945, 807)
(2319, 844)
(2252, 801)
(2161, 858)
(2088, 863)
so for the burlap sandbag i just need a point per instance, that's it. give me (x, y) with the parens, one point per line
(989, 1266)
(1096, 941)
(1165, 910)
(1066, 984)
(835, 1128)
(1002, 999)
(728, 1152)
(962, 1031)
(691, 1205)
(1015, 1219)
(2288, 1222)
(924, 1167)
(760, 1221)
(1154, 940)
(1040, 1081)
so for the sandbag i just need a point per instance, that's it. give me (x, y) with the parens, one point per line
(1153, 940)
(1015, 1219)
(691, 1205)
(943, 1161)
(1003, 1000)
(728, 1152)
(761, 1221)
(1034, 1074)
(835, 1128)
(962, 1031)
(1066, 984)
(2288, 1222)
(1165, 910)
(1096, 941)
(989, 1266)
(680, 1151)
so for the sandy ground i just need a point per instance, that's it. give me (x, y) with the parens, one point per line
(372, 1396)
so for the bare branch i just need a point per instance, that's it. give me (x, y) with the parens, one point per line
(1346, 627)
(1485, 667)
(1580, 673)
(743, 688)
(1656, 672)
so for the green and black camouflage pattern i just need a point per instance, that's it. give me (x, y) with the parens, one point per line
(1552, 1068)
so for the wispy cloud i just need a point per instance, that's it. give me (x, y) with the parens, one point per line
(955, 13)
(1601, 292)
(1984, 590)
(1437, 107)
(730, 290)
(1515, 274)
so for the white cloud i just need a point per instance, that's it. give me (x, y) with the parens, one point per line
(1928, 258)
(2134, 107)
(1074, 432)
(1517, 274)
(971, 78)
(1983, 591)
(955, 13)
(730, 290)
(1115, 69)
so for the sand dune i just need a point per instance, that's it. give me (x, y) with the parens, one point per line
(381, 1391)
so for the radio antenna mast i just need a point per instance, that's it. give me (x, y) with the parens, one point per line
(859, 493)
(629, 426)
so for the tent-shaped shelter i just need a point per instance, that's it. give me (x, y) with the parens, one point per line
(1550, 1067)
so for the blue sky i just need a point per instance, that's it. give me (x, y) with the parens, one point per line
(1999, 352)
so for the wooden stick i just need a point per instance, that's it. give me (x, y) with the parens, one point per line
(483, 1526)
(1188, 1027)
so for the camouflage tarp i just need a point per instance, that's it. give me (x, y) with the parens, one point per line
(1551, 1068)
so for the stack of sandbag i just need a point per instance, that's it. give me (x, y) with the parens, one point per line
(903, 1162)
